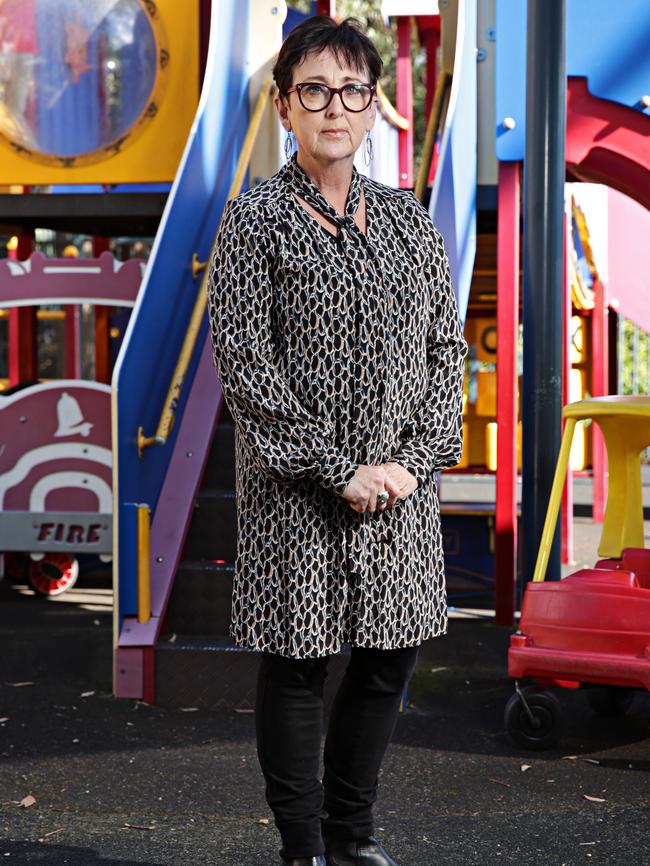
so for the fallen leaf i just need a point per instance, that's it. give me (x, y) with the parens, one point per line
(569, 757)
(139, 826)
(525, 767)
(4, 719)
(263, 821)
(86, 694)
(27, 801)
(594, 799)
(19, 685)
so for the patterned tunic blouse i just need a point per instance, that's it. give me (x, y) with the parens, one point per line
(335, 351)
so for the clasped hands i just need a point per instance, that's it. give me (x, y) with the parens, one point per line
(361, 492)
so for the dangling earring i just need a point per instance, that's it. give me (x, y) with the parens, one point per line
(369, 150)
(288, 146)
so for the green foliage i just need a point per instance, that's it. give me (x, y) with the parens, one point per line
(635, 376)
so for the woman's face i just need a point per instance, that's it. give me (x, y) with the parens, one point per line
(334, 133)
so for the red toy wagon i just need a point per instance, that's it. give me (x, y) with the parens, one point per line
(592, 629)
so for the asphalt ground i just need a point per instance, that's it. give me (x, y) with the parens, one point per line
(117, 783)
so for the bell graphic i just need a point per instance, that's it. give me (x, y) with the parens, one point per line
(71, 421)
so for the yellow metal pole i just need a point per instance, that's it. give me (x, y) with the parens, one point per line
(144, 563)
(554, 502)
(168, 413)
(435, 117)
(249, 141)
(389, 111)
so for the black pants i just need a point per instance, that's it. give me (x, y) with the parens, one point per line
(289, 722)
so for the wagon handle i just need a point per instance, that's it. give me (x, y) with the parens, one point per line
(554, 502)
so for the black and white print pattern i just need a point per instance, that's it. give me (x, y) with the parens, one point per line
(333, 351)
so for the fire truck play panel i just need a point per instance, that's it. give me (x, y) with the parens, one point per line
(56, 468)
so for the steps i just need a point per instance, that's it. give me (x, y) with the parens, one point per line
(196, 663)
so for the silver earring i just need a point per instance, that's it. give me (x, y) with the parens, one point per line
(369, 150)
(288, 146)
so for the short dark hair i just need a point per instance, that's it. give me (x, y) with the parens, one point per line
(346, 41)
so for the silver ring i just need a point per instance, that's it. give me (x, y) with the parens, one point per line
(383, 496)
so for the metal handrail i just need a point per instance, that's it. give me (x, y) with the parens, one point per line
(144, 562)
(168, 413)
(433, 126)
(389, 112)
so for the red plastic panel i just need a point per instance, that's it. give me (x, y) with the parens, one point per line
(637, 559)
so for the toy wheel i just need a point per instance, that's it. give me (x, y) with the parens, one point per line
(610, 700)
(54, 574)
(544, 730)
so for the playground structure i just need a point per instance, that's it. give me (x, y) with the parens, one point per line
(173, 518)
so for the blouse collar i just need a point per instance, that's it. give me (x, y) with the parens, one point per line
(304, 187)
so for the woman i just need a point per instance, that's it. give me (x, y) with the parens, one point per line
(337, 342)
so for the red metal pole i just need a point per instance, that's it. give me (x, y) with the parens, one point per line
(23, 334)
(326, 7)
(567, 494)
(404, 100)
(101, 335)
(599, 388)
(508, 241)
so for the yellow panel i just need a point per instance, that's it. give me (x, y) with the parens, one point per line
(577, 345)
(486, 401)
(576, 385)
(470, 331)
(486, 340)
(578, 454)
(491, 436)
(464, 460)
(153, 155)
(491, 446)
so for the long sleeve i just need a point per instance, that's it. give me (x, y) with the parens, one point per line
(287, 441)
(433, 438)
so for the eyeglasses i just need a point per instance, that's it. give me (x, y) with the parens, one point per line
(314, 96)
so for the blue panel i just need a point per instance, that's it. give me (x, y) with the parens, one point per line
(119, 187)
(166, 299)
(128, 573)
(468, 540)
(293, 19)
(606, 42)
(453, 198)
(610, 44)
(510, 78)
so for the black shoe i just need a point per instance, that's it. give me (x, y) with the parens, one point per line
(366, 853)
(304, 861)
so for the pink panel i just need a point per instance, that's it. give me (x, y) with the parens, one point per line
(53, 435)
(129, 672)
(39, 279)
(628, 287)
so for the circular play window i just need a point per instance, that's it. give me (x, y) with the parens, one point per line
(78, 80)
